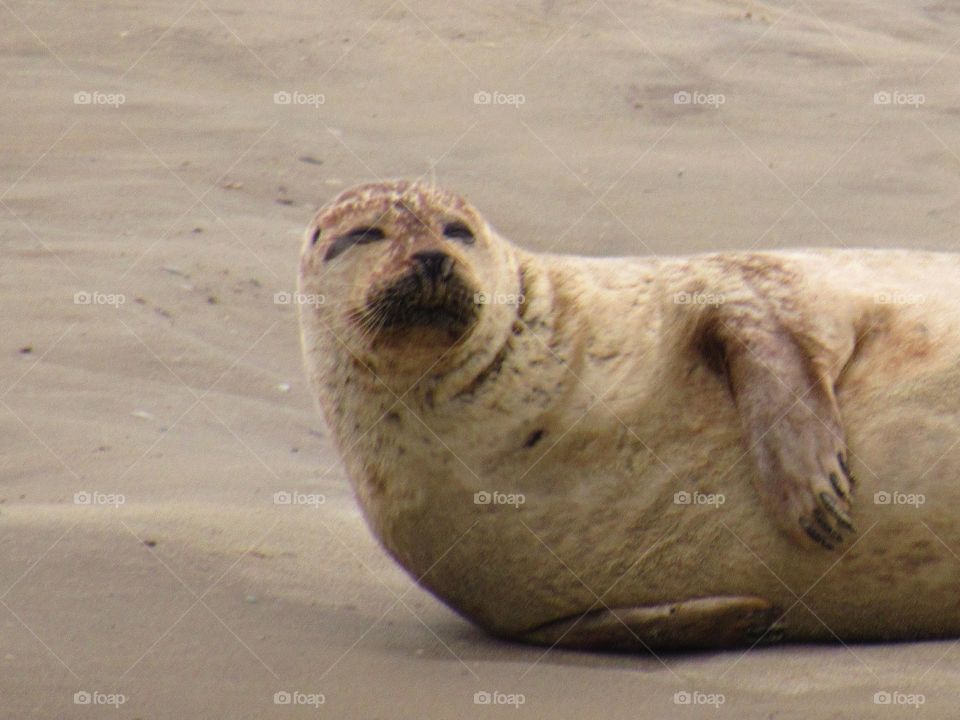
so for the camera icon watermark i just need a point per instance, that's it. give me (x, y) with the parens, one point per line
(695, 97)
(896, 97)
(95, 297)
(485, 697)
(295, 697)
(485, 97)
(883, 497)
(99, 499)
(285, 497)
(295, 97)
(298, 298)
(95, 97)
(485, 497)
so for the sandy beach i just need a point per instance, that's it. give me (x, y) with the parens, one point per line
(160, 162)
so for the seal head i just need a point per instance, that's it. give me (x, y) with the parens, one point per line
(403, 269)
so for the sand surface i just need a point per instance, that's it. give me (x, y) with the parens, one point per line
(177, 214)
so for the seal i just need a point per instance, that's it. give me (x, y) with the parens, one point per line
(642, 453)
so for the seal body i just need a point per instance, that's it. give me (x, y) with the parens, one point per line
(558, 442)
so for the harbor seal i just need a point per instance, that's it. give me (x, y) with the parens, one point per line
(642, 453)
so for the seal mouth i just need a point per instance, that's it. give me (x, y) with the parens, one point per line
(430, 296)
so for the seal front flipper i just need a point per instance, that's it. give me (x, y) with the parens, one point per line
(792, 427)
(689, 625)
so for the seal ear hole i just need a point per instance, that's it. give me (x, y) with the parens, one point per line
(458, 231)
(315, 237)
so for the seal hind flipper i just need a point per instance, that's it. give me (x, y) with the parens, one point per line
(792, 427)
(698, 624)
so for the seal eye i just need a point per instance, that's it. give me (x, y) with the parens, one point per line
(358, 236)
(365, 234)
(315, 236)
(458, 231)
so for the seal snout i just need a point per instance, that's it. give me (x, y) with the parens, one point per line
(435, 264)
(428, 291)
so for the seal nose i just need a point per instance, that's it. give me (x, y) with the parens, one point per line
(434, 264)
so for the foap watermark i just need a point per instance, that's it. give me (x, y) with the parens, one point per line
(296, 97)
(698, 498)
(695, 97)
(298, 298)
(484, 697)
(696, 697)
(95, 297)
(284, 497)
(698, 298)
(95, 697)
(899, 298)
(895, 697)
(97, 498)
(95, 97)
(295, 697)
(485, 298)
(897, 97)
(485, 497)
(899, 498)
(483, 97)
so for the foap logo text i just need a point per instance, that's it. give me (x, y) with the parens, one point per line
(95, 697)
(487, 697)
(695, 97)
(897, 698)
(95, 97)
(292, 497)
(683, 497)
(99, 499)
(296, 697)
(296, 97)
(484, 97)
(487, 497)
(298, 298)
(696, 697)
(95, 297)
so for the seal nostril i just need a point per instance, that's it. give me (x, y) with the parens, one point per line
(446, 268)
